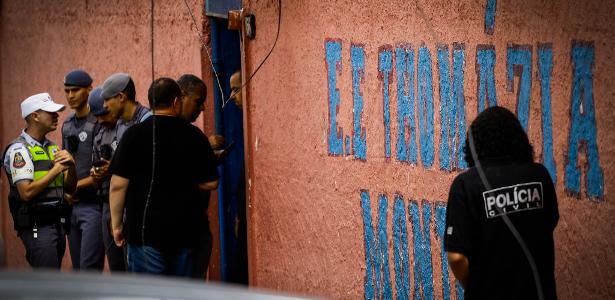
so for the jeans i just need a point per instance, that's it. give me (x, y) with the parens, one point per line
(146, 259)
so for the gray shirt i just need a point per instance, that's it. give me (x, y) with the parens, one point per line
(140, 114)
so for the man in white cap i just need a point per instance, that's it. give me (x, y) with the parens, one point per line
(39, 174)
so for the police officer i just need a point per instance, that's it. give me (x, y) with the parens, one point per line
(39, 175)
(119, 94)
(85, 237)
(501, 214)
(105, 143)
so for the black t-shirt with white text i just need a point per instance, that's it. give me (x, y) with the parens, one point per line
(184, 159)
(498, 267)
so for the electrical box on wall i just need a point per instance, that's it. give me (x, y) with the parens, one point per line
(220, 8)
(250, 26)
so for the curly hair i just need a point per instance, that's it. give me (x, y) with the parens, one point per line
(496, 132)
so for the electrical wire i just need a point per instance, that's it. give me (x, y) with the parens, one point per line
(200, 35)
(204, 46)
(151, 184)
(266, 57)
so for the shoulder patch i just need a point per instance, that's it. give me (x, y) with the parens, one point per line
(18, 161)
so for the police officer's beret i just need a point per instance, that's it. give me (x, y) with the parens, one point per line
(78, 78)
(114, 85)
(96, 102)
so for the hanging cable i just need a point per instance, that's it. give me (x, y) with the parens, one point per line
(204, 46)
(151, 184)
(266, 57)
(224, 102)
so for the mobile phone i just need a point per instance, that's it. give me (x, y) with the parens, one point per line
(99, 163)
(229, 146)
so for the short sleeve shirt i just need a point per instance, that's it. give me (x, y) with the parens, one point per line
(183, 160)
(524, 193)
(18, 161)
(122, 125)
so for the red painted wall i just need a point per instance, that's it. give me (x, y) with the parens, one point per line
(42, 41)
(306, 222)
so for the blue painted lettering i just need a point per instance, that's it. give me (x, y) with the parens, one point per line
(402, 257)
(333, 61)
(425, 106)
(490, 16)
(404, 67)
(357, 57)
(378, 279)
(545, 68)
(452, 108)
(583, 124)
(423, 269)
(485, 65)
(385, 67)
(519, 63)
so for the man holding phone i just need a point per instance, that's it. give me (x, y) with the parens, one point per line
(105, 143)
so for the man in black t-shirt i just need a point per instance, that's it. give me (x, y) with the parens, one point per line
(483, 252)
(162, 211)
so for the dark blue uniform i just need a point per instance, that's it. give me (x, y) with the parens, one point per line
(85, 237)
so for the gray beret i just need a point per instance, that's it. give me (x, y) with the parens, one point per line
(114, 85)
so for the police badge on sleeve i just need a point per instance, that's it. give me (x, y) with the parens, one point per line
(514, 198)
(18, 161)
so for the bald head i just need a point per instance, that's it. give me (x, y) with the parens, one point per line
(235, 83)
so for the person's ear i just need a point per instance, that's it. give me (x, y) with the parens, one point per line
(178, 103)
(35, 116)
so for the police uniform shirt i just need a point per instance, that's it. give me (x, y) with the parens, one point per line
(82, 131)
(104, 137)
(498, 268)
(18, 160)
(141, 113)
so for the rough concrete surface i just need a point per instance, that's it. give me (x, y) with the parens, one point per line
(307, 231)
(43, 40)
